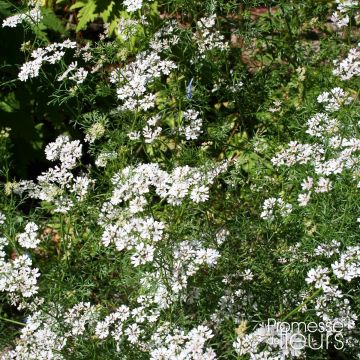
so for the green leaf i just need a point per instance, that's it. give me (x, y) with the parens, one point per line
(77, 5)
(86, 14)
(4, 8)
(9, 103)
(51, 21)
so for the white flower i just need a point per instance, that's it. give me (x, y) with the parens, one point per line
(81, 186)
(328, 250)
(78, 317)
(132, 5)
(307, 183)
(68, 152)
(40, 339)
(199, 194)
(133, 80)
(133, 332)
(350, 66)
(207, 38)
(271, 205)
(207, 256)
(32, 16)
(150, 134)
(134, 135)
(17, 276)
(191, 128)
(247, 275)
(79, 76)
(303, 199)
(51, 54)
(324, 185)
(318, 276)
(29, 239)
(320, 125)
(2, 218)
(346, 5)
(104, 157)
(144, 253)
(30, 69)
(348, 266)
(333, 100)
(96, 131)
(221, 236)
(339, 20)
(13, 21)
(297, 153)
(70, 68)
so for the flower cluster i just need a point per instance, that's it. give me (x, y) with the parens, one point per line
(2, 218)
(320, 124)
(273, 205)
(127, 28)
(177, 344)
(50, 54)
(17, 276)
(133, 79)
(133, 5)
(334, 99)
(350, 66)
(328, 250)
(298, 153)
(133, 183)
(47, 333)
(150, 132)
(207, 38)
(39, 339)
(165, 342)
(332, 305)
(267, 342)
(191, 128)
(95, 132)
(104, 157)
(348, 266)
(140, 234)
(79, 317)
(136, 233)
(150, 263)
(31, 16)
(165, 37)
(332, 151)
(58, 185)
(188, 258)
(79, 74)
(341, 17)
(29, 238)
(221, 85)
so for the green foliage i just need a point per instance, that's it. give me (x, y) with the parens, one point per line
(86, 14)
(159, 101)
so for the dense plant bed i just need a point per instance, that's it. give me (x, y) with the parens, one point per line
(179, 180)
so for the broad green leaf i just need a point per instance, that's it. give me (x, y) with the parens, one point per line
(86, 14)
(51, 21)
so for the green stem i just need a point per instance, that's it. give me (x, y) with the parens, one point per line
(302, 304)
(12, 321)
